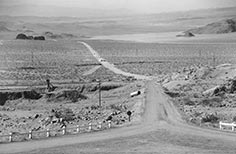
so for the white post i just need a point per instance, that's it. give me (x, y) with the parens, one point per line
(30, 134)
(109, 124)
(99, 125)
(220, 126)
(64, 130)
(10, 137)
(90, 126)
(48, 133)
(77, 129)
(232, 128)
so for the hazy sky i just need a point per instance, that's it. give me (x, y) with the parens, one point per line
(141, 6)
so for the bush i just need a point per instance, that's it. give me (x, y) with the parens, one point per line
(212, 102)
(64, 113)
(210, 118)
(116, 107)
(234, 119)
(188, 101)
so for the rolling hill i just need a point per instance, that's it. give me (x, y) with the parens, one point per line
(223, 26)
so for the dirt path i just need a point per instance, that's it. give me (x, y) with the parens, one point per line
(161, 123)
(148, 125)
(111, 66)
(162, 130)
(91, 71)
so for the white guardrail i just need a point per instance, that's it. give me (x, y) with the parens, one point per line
(232, 125)
(14, 137)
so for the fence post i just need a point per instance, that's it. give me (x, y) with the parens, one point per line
(64, 130)
(220, 125)
(232, 128)
(77, 129)
(90, 126)
(30, 134)
(10, 137)
(109, 124)
(99, 125)
(48, 133)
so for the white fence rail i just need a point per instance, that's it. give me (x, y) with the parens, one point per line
(223, 124)
(14, 137)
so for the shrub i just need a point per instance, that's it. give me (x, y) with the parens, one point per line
(212, 102)
(188, 101)
(210, 118)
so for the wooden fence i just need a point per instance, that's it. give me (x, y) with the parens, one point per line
(34, 135)
(231, 125)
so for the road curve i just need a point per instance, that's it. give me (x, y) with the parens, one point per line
(112, 67)
(150, 123)
(161, 119)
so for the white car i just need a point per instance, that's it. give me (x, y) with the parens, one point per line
(102, 60)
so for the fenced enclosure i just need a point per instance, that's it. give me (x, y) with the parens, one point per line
(35, 135)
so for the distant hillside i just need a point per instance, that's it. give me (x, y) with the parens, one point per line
(4, 29)
(59, 36)
(223, 26)
(88, 25)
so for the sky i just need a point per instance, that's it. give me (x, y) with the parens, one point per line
(137, 6)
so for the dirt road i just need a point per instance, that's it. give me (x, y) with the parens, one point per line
(162, 130)
(111, 66)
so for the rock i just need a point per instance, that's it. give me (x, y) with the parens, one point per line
(36, 116)
(109, 118)
(39, 38)
(186, 34)
(22, 36)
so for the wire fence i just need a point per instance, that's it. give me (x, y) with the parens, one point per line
(35, 135)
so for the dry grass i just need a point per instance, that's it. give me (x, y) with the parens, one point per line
(155, 58)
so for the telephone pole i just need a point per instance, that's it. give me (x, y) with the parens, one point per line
(99, 97)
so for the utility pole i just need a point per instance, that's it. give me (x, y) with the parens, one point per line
(99, 97)
(32, 59)
(214, 60)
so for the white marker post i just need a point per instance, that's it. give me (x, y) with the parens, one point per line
(90, 127)
(109, 124)
(48, 133)
(77, 129)
(64, 130)
(30, 134)
(10, 137)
